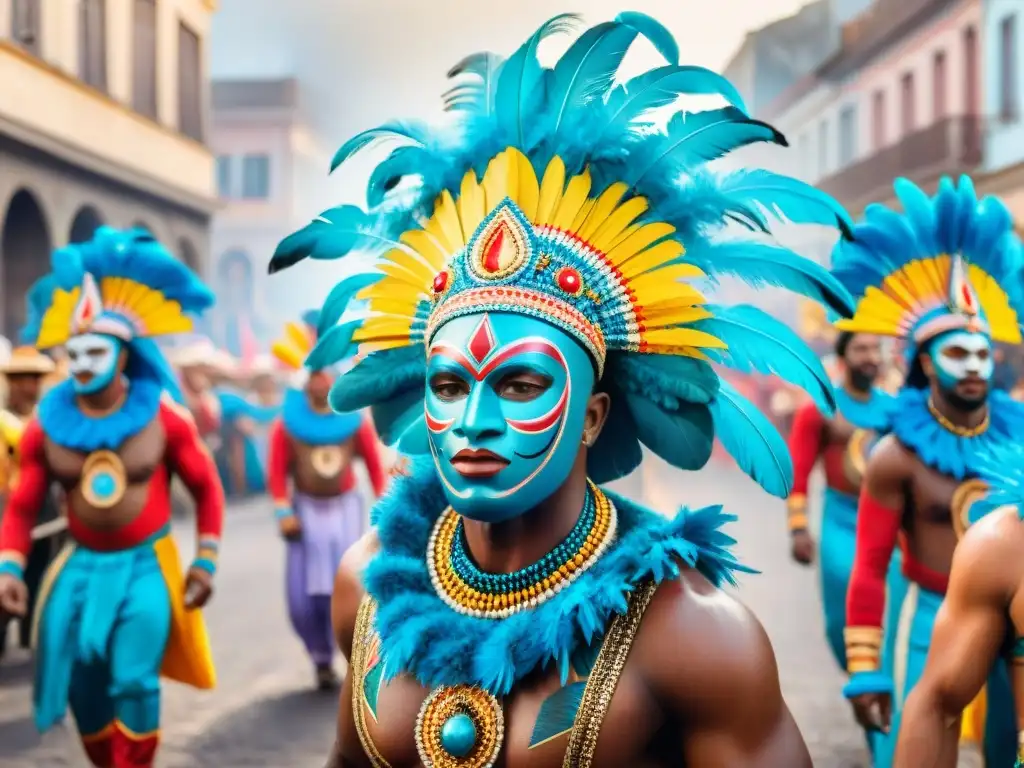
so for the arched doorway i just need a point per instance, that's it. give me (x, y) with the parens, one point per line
(85, 223)
(234, 286)
(188, 254)
(25, 247)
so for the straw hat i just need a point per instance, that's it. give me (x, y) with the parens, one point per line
(198, 353)
(22, 360)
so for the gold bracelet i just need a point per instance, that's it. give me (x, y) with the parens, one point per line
(797, 522)
(863, 648)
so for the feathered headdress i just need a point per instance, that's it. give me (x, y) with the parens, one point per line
(294, 346)
(123, 284)
(553, 195)
(945, 263)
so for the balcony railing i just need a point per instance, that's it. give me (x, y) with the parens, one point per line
(950, 146)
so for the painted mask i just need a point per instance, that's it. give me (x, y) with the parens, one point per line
(958, 355)
(92, 359)
(505, 408)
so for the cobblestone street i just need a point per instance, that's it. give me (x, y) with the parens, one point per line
(265, 713)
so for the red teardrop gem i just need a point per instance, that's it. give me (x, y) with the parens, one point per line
(440, 282)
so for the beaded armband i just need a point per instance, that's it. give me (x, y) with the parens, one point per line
(12, 563)
(863, 648)
(206, 555)
(796, 508)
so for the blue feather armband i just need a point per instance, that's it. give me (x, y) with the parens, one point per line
(282, 512)
(867, 682)
(205, 564)
(12, 568)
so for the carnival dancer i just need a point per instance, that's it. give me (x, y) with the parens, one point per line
(116, 611)
(530, 325)
(980, 624)
(318, 507)
(838, 442)
(23, 370)
(195, 362)
(944, 277)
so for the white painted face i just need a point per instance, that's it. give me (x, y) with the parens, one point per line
(92, 361)
(960, 355)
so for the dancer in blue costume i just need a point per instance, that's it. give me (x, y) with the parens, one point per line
(981, 624)
(115, 610)
(944, 276)
(239, 464)
(531, 323)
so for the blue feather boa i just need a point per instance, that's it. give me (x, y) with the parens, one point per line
(421, 636)
(65, 424)
(312, 427)
(945, 452)
(875, 413)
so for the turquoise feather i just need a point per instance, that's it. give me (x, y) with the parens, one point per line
(340, 297)
(616, 452)
(478, 93)
(758, 342)
(752, 441)
(413, 131)
(333, 346)
(656, 32)
(786, 197)
(558, 713)
(684, 437)
(415, 440)
(394, 416)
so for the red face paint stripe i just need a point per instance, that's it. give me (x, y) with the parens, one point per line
(444, 349)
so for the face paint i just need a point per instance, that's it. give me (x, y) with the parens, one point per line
(92, 359)
(959, 355)
(505, 408)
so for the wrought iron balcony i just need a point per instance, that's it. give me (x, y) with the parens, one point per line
(950, 146)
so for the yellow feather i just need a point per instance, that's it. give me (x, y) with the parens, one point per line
(678, 351)
(682, 337)
(528, 193)
(656, 256)
(471, 205)
(390, 289)
(666, 316)
(426, 246)
(423, 273)
(382, 327)
(401, 274)
(668, 277)
(298, 336)
(582, 215)
(393, 305)
(635, 243)
(551, 189)
(573, 199)
(446, 214)
(287, 354)
(619, 219)
(603, 208)
(369, 347)
(496, 182)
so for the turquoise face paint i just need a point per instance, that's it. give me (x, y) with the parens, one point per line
(958, 355)
(505, 408)
(92, 361)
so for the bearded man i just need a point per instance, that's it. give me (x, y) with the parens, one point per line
(943, 277)
(523, 333)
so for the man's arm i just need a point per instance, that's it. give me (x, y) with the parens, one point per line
(969, 630)
(879, 518)
(348, 593)
(369, 450)
(805, 448)
(279, 468)
(712, 668)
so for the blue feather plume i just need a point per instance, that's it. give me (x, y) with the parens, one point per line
(758, 342)
(477, 92)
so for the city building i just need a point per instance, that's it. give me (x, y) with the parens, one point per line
(1003, 66)
(270, 167)
(102, 120)
(909, 75)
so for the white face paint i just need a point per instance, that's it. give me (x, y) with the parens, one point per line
(960, 355)
(92, 361)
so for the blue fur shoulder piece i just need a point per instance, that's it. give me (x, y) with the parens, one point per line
(421, 636)
(875, 413)
(1003, 469)
(945, 452)
(65, 424)
(314, 428)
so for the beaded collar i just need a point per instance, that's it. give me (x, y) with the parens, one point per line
(421, 635)
(958, 456)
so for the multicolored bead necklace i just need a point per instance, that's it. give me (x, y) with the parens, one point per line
(468, 590)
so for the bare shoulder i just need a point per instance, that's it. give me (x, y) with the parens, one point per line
(696, 637)
(890, 464)
(987, 562)
(348, 588)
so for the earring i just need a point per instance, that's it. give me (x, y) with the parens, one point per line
(586, 440)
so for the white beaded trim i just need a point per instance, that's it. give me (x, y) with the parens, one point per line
(533, 602)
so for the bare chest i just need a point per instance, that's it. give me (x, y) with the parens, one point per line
(838, 430)
(318, 468)
(931, 495)
(107, 489)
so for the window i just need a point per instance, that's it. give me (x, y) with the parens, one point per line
(144, 57)
(847, 135)
(224, 181)
(971, 71)
(1008, 97)
(823, 157)
(25, 25)
(255, 177)
(92, 43)
(939, 86)
(190, 84)
(878, 120)
(908, 94)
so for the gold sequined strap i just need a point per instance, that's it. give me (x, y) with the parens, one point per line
(361, 640)
(597, 695)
